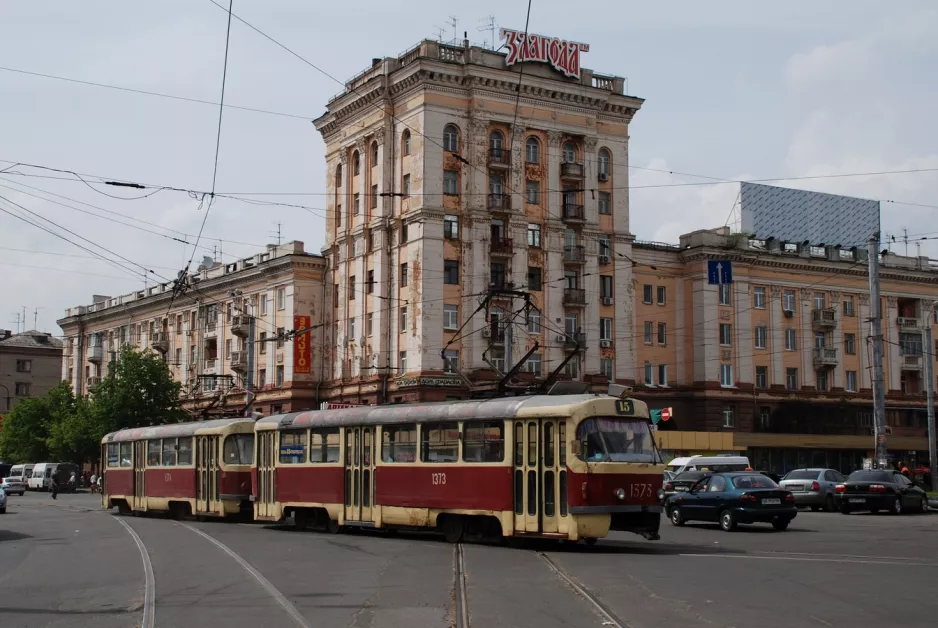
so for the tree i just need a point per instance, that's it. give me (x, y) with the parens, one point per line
(25, 431)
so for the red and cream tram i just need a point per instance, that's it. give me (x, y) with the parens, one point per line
(557, 466)
(201, 468)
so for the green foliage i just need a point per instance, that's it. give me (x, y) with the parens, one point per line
(138, 391)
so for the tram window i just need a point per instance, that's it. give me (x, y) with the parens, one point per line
(563, 493)
(616, 440)
(184, 451)
(519, 492)
(126, 454)
(324, 445)
(562, 443)
(548, 444)
(113, 455)
(440, 442)
(519, 444)
(169, 452)
(532, 444)
(239, 449)
(548, 493)
(483, 441)
(399, 443)
(292, 447)
(153, 453)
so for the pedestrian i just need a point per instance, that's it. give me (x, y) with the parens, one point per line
(54, 487)
(904, 470)
(93, 483)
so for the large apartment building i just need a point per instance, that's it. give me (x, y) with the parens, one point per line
(30, 366)
(203, 333)
(451, 179)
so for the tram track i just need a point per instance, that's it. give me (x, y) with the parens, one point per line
(608, 617)
(149, 587)
(459, 587)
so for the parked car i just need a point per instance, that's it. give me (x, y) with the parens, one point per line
(13, 486)
(879, 489)
(732, 498)
(3, 502)
(710, 463)
(813, 488)
(681, 483)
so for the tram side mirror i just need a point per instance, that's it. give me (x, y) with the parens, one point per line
(576, 447)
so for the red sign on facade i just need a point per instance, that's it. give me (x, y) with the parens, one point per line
(563, 55)
(302, 351)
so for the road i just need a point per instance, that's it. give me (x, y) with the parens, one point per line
(67, 563)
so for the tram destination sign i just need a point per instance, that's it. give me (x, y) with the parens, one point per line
(563, 55)
(436, 382)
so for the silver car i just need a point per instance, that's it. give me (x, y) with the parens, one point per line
(13, 486)
(813, 488)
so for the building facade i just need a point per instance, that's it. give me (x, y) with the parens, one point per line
(479, 217)
(204, 333)
(30, 366)
(778, 363)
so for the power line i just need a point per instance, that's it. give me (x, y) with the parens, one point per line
(64, 270)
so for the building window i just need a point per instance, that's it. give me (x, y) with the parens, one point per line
(605, 329)
(729, 416)
(371, 282)
(356, 164)
(351, 288)
(662, 374)
(374, 154)
(451, 227)
(451, 361)
(351, 328)
(497, 275)
(533, 364)
(370, 324)
(725, 292)
(821, 381)
(21, 389)
(280, 337)
(228, 349)
(850, 344)
(532, 191)
(851, 381)
(726, 334)
(534, 278)
(605, 245)
(263, 342)
(605, 286)
(649, 374)
(647, 294)
(765, 412)
(662, 295)
(910, 344)
(762, 377)
(371, 240)
(404, 275)
(405, 186)
(402, 362)
(405, 142)
(176, 362)
(605, 203)
(451, 138)
(24, 366)
(404, 233)
(280, 376)
(451, 272)
(356, 206)
(603, 162)
(758, 298)
(791, 340)
(262, 378)
(532, 151)
(534, 236)
(820, 300)
(374, 196)
(605, 368)
(820, 340)
(762, 334)
(569, 152)
(496, 143)
(788, 300)
(281, 298)
(649, 332)
(450, 182)
(403, 319)
(726, 375)
(571, 368)
(451, 317)
(848, 307)
(791, 379)
(662, 334)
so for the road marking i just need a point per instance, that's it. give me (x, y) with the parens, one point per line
(149, 590)
(818, 560)
(608, 618)
(264, 582)
(459, 585)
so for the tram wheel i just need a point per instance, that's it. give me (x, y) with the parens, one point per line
(300, 519)
(452, 528)
(333, 527)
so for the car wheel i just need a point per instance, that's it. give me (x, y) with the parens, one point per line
(677, 519)
(728, 520)
(896, 506)
(781, 524)
(829, 504)
(923, 506)
(3, 510)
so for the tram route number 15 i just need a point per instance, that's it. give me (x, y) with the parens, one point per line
(438, 479)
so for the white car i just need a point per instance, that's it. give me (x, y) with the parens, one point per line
(13, 486)
(3, 502)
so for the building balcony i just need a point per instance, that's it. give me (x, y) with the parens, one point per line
(241, 325)
(494, 333)
(907, 323)
(572, 341)
(499, 202)
(571, 170)
(825, 356)
(93, 382)
(210, 364)
(501, 246)
(95, 353)
(160, 341)
(573, 213)
(911, 362)
(824, 319)
(211, 326)
(239, 361)
(574, 255)
(499, 158)
(574, 296)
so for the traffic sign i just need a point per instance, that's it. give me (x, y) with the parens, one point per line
(719, 271)
(665, 414)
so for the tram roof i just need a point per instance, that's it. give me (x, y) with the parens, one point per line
(499, 408)
(172, 430)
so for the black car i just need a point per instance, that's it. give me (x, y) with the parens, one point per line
(681, 483)
(732, 498)
(879, 489)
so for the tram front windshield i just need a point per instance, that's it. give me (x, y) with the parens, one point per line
(615, 440)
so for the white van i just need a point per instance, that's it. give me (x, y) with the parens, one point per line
(21, 472)
(41, 479)
(711, 463)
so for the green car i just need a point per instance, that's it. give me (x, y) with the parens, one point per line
(733, 498)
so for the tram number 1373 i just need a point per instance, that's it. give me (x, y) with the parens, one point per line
(438, 479)
(640, 490)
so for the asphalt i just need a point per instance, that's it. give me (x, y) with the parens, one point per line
(68, 563)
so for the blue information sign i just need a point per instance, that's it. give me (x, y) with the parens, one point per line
(719, 271)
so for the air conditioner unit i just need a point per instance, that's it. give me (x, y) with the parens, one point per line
(486, 332)
(605, 344)
(603, 259)
(607, 300)
(788, 313)
(603, 176)
(560, 338)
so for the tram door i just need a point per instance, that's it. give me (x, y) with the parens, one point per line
(206, 468)
(140, 474)
(359, 473)
(267, 452)
(539, 476)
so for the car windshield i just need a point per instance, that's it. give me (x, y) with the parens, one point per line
(615, 440)
(690, 476)
(802, 474)
(866, 475)
(753, 481)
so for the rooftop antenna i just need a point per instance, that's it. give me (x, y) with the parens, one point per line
(454, 22)
(16, 321)
(439, 32)
(905, 238)
(488, 24)
(36, 318)
(23, 318)
(278, 234)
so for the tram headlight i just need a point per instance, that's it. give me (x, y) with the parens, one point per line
(620, 493)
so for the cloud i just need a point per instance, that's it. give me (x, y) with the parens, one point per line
(844, 62)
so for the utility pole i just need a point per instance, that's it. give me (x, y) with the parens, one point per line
(930, 398)
(876, 335)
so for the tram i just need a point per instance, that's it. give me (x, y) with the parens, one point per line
(550, 466)
(201, 468)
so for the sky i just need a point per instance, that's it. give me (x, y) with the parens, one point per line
(734, 90)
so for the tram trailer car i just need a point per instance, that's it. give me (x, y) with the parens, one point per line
(201, 468)
(550, 466)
